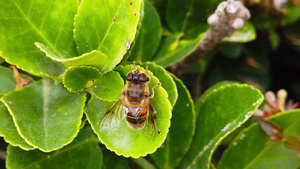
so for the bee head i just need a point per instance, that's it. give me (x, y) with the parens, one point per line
(137, 76)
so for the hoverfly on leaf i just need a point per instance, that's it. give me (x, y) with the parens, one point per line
(133, 105)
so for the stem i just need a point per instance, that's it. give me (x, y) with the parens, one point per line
(143, 163)
(229, 16)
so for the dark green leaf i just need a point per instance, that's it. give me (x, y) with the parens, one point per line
(111, 160)
(173, 50)
(183, 121)
(49, 22)
(292, 15)
(83, 152)
(231, 50)
(149, 35)
(76, 77)
(107, 26)
(42, 110)
(122, 139)
(219, 112)
(256, 154)
(9, 131)
(183, 15)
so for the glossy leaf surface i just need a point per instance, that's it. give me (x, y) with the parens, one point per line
(9, 131)
(122, 139)
(149, 35)
(181, 132)
(103, 86)
(93, 58)
(76, 77)
(217, 116)
(107, 26)
(42, 110)
(49, 22)
(256, 154)
(246, 34)
(83, 152)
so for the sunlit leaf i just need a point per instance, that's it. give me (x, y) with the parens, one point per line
(93, 58)
(107, 26)
(103, 86)
(246, 34)
(42, 110)
(50, 22)
(83, 152)
(9, 131)
(219, 112)
(76, 77)
(122, 139)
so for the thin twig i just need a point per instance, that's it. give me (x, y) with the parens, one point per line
(229, 16)
(3, 155)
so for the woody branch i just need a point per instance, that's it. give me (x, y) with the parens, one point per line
(229, 16)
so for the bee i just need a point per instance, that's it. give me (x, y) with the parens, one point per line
(133, 105)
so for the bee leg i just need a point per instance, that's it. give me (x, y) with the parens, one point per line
(154, 117)
(158, 84)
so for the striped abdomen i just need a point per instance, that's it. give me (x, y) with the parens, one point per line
(136, 116)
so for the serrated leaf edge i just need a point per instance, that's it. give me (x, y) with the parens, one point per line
(31, 144)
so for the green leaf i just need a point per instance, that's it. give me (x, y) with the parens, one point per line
(183, 15)
(246, 34)
(107, 26)
(183, 121)
(219, 112)
(42, 110)
(292, 15)
(256, 154)
(93, 58)
(122, 139)
(173, 49)
(7, 80)
(83, 152)
(49, 22)
(1, 60)
(111, 161)
(149, 35)
(9, 131)
(231, 50)
(102, 86)
(166, 80)
(76, 77)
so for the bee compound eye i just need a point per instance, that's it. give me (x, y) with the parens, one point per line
(143, 78)
(129, 77)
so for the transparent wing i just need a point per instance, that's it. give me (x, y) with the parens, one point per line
(150, 129)
(112, 118)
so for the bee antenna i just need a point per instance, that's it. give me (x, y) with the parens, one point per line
(147, 69)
